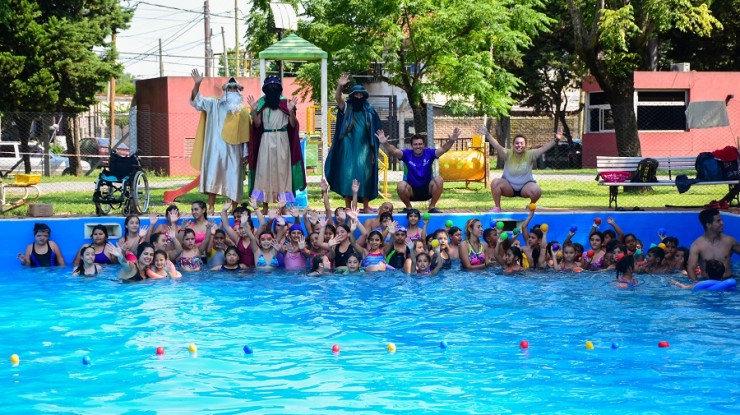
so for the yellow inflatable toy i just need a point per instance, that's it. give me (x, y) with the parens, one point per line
(468, 165)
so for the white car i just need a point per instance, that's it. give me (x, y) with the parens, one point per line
(10, 155)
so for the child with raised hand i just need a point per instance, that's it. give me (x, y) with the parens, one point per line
(421, 263)
(231, 261)
(239, 236)
(43, 252)
(134, 233)
(162, 267)
(190, 257)
(510, 257)
(266, 250)
(295, 251)
(87, 265)
(444, 249)
(593, 259)
(609, 235)
(471, 252)
(217, 248)
(170, 229)
(535, 243)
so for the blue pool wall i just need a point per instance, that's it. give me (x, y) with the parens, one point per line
(71, 233)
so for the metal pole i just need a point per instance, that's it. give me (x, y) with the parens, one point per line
(161, 62)
(112, 101)
(207, 29)
(226, 53)
(236, 35)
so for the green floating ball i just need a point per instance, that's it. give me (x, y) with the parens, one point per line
(516, 231)
(426, 216)
(448, 223)
(500, 225)
(504, 236)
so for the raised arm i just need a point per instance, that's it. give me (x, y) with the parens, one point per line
(389, 148)
(449, 143)
(555, 140)
(327, 203)
(338, 98)
(197, 79)
(617, 229)
(230, 232)
(525, 224)
(500, 150)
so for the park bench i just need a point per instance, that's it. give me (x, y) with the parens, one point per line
(617, 171)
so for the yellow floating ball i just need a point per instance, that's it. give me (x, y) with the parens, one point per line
(434, 243)
(391, 347)
(589, 345)
(532, 206)
(661, 246)
(14, 359)
(544, 227)
(193, 348)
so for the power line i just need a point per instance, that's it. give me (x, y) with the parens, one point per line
(227, 15)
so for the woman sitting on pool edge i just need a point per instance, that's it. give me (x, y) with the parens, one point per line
(42, 252)
(517, 179)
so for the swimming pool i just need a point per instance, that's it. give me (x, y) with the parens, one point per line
(52, 320)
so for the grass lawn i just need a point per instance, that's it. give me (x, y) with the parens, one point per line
(557, 193)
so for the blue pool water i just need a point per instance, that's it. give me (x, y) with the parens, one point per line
(52, 320)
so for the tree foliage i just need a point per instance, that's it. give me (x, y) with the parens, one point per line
(453, 47)
(47, 62)
(617, 37)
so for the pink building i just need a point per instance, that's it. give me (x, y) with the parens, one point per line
(661, 103)
(166, 122)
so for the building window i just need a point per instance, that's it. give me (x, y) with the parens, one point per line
(661, 110)
(600, 117)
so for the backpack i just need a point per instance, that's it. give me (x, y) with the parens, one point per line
(708, 169)
(646, 171)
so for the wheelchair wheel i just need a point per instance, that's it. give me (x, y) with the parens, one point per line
(139, 193)
(103, 192)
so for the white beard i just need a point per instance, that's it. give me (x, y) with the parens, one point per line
(233, 101)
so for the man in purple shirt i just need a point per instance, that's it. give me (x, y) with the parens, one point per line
(418, 183)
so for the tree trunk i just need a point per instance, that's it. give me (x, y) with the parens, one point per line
(625, 122)
(420, 116)
(23, 122)
(73, 140)
(503, 135)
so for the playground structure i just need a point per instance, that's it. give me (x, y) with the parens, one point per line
(469, 164)
(25, 183)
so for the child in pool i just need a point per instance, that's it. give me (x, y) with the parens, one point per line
(87, 265)
(135, 234)
(99, 236)
(421, 264)
(490, 235)
(43, 252)
(456, 236)
(354, 262)
(509, 256)
(568, 262)
(715, 271)
(444, 249)
(682, 259)
(471, 252)
(413, 232)
(320, 265)
(295, 251)
(266, 250)
(373, 260)
(653, 262)
(190, 257)
(170, 229)
(232, 262)
(162, 267)
(594, 258)
(535, 247)
(217, 249)
(625, 266)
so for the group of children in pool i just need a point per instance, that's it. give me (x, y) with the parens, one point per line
(329, 245)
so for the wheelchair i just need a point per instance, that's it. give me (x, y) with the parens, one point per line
(122, 186)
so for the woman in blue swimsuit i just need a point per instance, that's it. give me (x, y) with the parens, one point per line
(99, 237)
(43, 252)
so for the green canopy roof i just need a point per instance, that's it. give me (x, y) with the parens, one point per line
(293, 47)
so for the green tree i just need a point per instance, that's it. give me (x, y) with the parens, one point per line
(47, 62)
(617, 37)
(456, 47)
(550, 67)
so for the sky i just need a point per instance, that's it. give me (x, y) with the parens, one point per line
(180, 26)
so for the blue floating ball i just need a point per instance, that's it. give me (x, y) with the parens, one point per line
(573, 228)
(653, 245)
(492, 223)
(248, 349)
(443, 344)
(86, 360)
(615, 345)
(661, 231)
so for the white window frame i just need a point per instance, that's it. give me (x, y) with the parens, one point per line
(603, 110)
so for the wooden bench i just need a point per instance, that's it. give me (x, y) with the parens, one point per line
(666, 165)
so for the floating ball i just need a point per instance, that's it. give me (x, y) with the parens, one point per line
(653, 245)
(524, 344)
(615, 345)
(638, 252)
(661, 246)
(248, 349)
(14, 359)
(555, 247)
(559, 254)
(544, 227)
(434, 243)
(620, 256)
(391, 347)
(160, 351)
(443, 345)
(663, 344)
(590, 253)
(426, 216)
(448, 223)
(661, 231)
(597, 221)
(193, 348)
(504, 236)
(335, 348)
(589, 345)
(86, 360)
(499, 225)
(515, 231)
(573, 228)
(532, 206)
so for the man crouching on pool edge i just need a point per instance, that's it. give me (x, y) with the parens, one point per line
(713, 245)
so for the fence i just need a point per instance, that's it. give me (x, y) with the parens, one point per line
(164, 142)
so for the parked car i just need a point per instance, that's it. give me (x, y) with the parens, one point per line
(563, 156)
(99, 146)
(10, 154)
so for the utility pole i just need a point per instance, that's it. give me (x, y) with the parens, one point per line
(226, 53)
(161, 62)
(236, 34)
(112, 100)
(207, 28)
